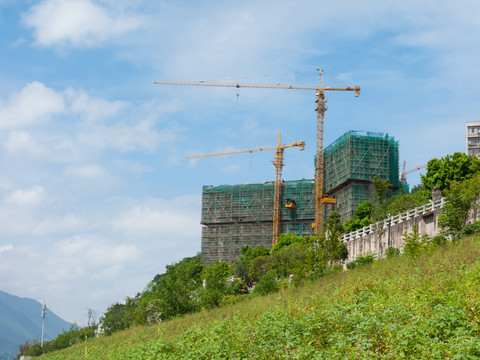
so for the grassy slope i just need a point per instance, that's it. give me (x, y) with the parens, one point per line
(401, 308)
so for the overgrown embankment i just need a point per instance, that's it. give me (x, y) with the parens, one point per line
(425, 307)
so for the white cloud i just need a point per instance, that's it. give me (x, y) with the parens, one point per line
(158, 217)
(6, 248)
(79, 23)
(93, 108)
(87, 171)
(96, 251)
(129, 128)
(26, 198)
(124, 137)
(21, 141)
(58, 224)
(35, 103)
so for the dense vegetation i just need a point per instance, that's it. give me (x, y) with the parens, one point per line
(425, 306)
(190, 286)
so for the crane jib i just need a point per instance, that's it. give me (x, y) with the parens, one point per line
(251, 85)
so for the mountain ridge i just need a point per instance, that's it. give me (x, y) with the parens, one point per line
(20, 320)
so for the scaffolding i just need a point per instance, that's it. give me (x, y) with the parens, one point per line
(360, 155)
(238, 215)
(350, 196)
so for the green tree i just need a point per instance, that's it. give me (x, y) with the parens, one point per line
(329, 243)
(461, 197)
(35, 350)
(401, 203)
(251, 253)
(258, 267)
(382, 192)
(215, 277)
(285, 240)
(293, 259)
(421, 194)
(171, 294)
(363, 216)
(414, 243)
(114, 319)
(241, 268)
(267, 284)
(334, 221)
(442, 172)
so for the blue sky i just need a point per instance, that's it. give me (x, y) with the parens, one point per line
(95, 194)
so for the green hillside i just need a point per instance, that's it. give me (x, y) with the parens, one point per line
(426, 307)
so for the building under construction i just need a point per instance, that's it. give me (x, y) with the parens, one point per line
(351, 163)
(238, 215)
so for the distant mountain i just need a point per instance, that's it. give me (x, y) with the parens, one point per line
(20, 320)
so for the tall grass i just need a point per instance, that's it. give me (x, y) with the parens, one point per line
(427, 307)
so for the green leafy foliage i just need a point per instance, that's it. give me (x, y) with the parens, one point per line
(442, 172)
(175, 292)
(250, 253)
(472, 228)
(334, 222)
(115, 319)
(288, 239)
(215, 278)
(383, 191)
(330, 244)
(362, 217)
(362, 260)
(461, 198)
(415, 243)
(392, 252)
(267, 284)
(402, 203)
(421, 194)
(426, 307)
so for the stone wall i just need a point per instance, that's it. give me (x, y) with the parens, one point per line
(377, 237)
(378, 241)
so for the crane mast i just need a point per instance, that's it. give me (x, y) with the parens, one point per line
(320, 109)
(278, 163)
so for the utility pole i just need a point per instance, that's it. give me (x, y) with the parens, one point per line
(44, 315)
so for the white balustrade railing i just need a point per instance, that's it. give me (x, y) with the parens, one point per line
(396, 219)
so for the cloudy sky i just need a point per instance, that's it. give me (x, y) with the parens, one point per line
(95, 194)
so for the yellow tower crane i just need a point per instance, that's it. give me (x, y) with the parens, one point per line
(320, 109)
(278, 163)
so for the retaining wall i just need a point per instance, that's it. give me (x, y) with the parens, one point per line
(377, 237)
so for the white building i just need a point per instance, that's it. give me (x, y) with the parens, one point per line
(473, 138)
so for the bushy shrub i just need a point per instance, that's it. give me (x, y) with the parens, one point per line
(361, 260)
(365, 259)
(351, 265)
(392, 252)
(471, 228)
(415, 243)
(439, 240)
(337, 268)
(238, 287)
(267, 284)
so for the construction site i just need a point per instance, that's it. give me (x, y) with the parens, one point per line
(255, 214)
(238, 215)
(351, 163)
